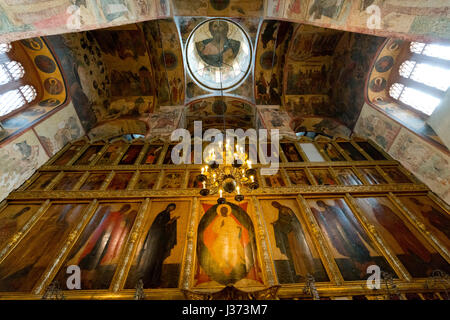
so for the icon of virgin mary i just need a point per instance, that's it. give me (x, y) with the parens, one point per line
(219, 49)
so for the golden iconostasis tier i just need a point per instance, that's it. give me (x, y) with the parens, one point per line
(124, 216)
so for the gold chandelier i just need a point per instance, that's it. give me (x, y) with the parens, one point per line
(221, 175)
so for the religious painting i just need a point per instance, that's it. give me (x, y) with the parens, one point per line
(170, 78)
(218, 46)
(396, 174)
(274, 180)
(100, 245)
(168, 155)
(298, 177)
(111, 154)
(411, 248)
(60, 128)
(272, 44)
(292, 249)
(132, 83)
(330, 9)
(173, 180)
(372, 175)
(146, 180)
(347, 177)
(192, 181)
(371, 150)
(131, 154)
(351, 151)
(158, 258)
(120, 181)
(42, 181)
(323, 177)
(23, 267)
(428, 163)
(208, 49)
(429, 213)
(19, 159)
(13, 217)
(94, 181)
(68, 181)
(89, 155)
(291, 152)
(152, 155)
(67, 155)
(351, 247)
(226, 247)
(331, 151)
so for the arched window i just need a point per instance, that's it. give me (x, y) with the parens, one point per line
(16, 90)
(423, 78)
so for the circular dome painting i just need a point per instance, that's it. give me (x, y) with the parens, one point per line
(218, 54)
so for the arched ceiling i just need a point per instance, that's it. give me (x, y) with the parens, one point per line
(308, 71)
(132, 63)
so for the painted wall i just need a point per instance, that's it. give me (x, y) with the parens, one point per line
(21, 156)
(25, 19)
(409, 19)
(428, 162)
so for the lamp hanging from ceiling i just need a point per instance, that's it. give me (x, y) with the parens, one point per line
(227, 177)
(221, 175)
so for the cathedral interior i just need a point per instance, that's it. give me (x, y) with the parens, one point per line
(95, 206)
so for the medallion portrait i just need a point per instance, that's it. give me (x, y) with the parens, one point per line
(218, 47)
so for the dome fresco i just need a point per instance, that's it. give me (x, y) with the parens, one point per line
(218, 54)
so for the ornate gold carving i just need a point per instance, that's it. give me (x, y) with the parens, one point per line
(232, 293)
(270, 270)
(188, 265)
(305, 190)
(116, 291)
(125, 262)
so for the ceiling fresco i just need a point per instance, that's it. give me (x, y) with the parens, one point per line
(407, 19)
(218, 54)
(219, 113)
(247, 28)
(132, 71)
(164, 45)
(139, 68)
(270, 53)
(223, 8)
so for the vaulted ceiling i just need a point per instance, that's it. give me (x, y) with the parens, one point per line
(127, 59)
(136, 70)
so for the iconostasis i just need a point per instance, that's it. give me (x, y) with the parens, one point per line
(123, 213)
